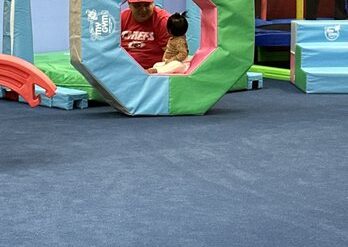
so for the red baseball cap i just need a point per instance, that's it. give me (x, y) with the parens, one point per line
(140, 1)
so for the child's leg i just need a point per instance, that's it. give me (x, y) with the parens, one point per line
(172, 67)
(153, 70)
(159, 64)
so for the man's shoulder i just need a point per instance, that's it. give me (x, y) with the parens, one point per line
(126, 12)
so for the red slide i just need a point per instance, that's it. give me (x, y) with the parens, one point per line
(21, 77)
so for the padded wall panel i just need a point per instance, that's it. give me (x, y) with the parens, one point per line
(17, 29)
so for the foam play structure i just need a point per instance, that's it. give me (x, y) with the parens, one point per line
(40, 29)
(273, 30)
(319, 55)
(48, 42)
(50, 35)
(224, 56)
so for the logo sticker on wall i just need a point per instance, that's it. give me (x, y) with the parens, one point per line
(101, 24)
(332, 33)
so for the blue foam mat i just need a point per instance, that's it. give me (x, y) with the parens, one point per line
(65, 98)
(273, 38)
(255, 80)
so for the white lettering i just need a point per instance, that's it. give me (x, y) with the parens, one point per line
(136, 35)
(98, 28)
(151, 36)
(105, 23)
(142, 35)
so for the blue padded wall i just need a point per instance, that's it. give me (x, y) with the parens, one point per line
(174, 6)
(17, 41)
(50, 25)
(194, 31)
(1, 22)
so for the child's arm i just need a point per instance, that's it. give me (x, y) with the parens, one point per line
(182, 49)
(182, 55)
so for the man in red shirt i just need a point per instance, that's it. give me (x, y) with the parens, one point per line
(144, 32)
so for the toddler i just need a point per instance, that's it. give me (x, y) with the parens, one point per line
(175, 57)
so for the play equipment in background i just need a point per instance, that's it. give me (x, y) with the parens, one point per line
(17, 74)
(319, 53)
(65, 98)
(181, 104)
(51, 38)
(224, 56)
(50, 33)
(21, 77)
(272, 36)
(52, 58)
(255, 81)
(17, 29)
(57, 66)
(297, 9)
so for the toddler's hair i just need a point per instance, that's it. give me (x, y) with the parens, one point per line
(177, 24)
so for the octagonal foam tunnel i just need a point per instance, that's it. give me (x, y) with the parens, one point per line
(223, 58)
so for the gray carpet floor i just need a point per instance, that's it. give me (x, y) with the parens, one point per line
(262, 168)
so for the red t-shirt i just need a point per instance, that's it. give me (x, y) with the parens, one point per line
(145, 41)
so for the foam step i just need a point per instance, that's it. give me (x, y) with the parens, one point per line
(255, 80)
(327, 31)
(65, 98)
(326, 80)
(324, 54)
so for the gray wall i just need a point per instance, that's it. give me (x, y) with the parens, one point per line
(1, 22)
